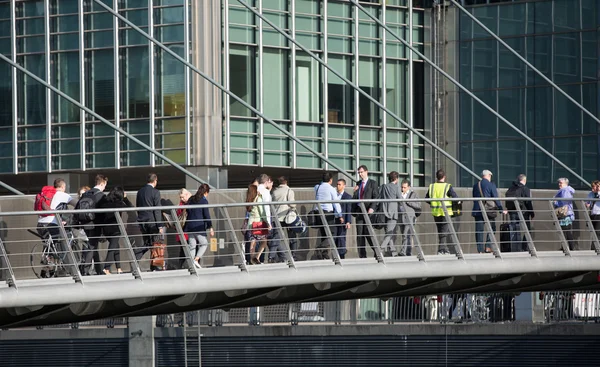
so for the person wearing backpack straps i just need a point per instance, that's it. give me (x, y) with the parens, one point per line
(519, 190)
(89, 200)
(54, 198)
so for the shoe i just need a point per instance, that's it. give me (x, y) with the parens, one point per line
(106, 272)
(119, 271)
(197, 265)
(255, 261)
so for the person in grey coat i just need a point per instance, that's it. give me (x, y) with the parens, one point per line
(390, 191)
(408, 214)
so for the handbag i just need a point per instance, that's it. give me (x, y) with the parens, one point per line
(562, 212)
(313, 218)
(377, 219)
(157, 254)
(260, 228)
(488, 205)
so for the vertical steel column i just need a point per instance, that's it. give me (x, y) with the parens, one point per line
(456, 243)
(184, 243)
(325, 94)
(135, 266)
(416, 242)
(69, 251)
(590, 225)
(152, 81)
(11, 281)
(488, 228)
(293, 77)
(528, 237)
(334, 252)
(383, 89)
(117, 86)
(240, 246)
(48, 95)
(376, 246)
(261, 122)
(226, 83)
(186, 72)
(283, 239)
(409, 94)
(356, 94)
(13, 77)
(82, 84)
(563, 239)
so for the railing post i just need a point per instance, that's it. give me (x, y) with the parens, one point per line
(590, 225)
(376, 246)
(564, 243)
(334, 251)
(416, 241)
(488, 226)
(73, 262)
(525, 229)
(240, 247)
(283, 238)
(11, 281)
(184, 243)
(137, 273)
(459, 251)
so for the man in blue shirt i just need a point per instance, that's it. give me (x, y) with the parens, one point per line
(324, 191)
(485, 189)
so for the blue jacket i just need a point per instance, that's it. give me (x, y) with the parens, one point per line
(198, 219)
(489, 191)
(565, 192)
(346, 208)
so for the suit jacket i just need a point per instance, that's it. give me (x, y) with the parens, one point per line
(346, 208)
(148, 196)
(371, 192)
(390, 191)
(408, 210)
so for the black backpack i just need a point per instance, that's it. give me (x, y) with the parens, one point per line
(514, 192)
(84, 204)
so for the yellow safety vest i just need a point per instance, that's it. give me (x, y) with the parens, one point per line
(439, 190)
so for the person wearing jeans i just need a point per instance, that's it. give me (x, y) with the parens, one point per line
(485, 189)
(197, 224)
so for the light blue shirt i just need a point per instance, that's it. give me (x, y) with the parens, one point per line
(325, 191)
(596, 207)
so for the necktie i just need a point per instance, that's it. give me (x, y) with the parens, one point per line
(362, 190)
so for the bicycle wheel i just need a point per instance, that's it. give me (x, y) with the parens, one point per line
(43, 264)
(77, 247)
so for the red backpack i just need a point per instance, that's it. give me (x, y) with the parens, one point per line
(44, 199)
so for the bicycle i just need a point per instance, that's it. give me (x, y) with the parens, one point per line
(47, 254)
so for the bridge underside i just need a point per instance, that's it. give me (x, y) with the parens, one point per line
(33, 303)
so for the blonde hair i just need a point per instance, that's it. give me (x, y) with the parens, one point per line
(184, 191)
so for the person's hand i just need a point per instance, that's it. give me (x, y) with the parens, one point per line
(356, 188)
(341, 220)
(347, 225)
(370, 211)
(505, 212)
(212, 232)
(161, 230)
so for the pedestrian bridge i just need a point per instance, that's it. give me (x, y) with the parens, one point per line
(226, 279)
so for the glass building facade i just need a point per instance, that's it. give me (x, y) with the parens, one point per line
(80, 48)
(560, 38)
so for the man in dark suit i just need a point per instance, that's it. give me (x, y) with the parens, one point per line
(150, 221)
(342, 228)
(365, 189)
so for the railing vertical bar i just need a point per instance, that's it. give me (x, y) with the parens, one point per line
(416, 242)
(137, 273)
(240, 246)
(530, 244)
(376, 245)
(330, 239)
(590, 225)
(184, 243)
(11, 275)
(563, 239)
(283, 239)
(458, 248)
(75, 271)
(490, 230)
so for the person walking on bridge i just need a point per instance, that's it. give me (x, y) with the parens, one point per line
(485, 189)
(442, 190)
(564, 211)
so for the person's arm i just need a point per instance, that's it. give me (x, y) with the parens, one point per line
(528, 204)
(414, 204)
(207, 221)
(494, 192)
(156, 213)
(347, 208)
(337, 208)
(451, 193)
(127, 203)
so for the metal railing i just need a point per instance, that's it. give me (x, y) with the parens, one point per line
(72, 249)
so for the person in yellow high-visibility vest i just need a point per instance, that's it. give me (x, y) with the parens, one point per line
(441, 190)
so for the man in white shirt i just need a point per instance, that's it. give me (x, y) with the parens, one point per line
(284, 193)
(59, 201)
(324, 191)
(594, 207)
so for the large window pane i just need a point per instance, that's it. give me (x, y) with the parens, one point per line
(308, 88)
(242, 74)
(275, 84)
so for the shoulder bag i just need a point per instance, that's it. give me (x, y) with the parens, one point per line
(488, 205)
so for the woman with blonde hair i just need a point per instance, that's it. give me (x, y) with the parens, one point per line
(258, 223)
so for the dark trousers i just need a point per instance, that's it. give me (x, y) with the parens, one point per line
(276, 249)
(444, 235)
(340, 232)
(568, 232)
(114, 252)
(92, 252)
(150, 235)
(596, 223)
(322, 246)
(362, 234)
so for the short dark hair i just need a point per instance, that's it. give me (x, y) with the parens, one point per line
(59, 182)
(152, 177)
(327, 177)
(393, 176)
(282, 180)
(263, 178)
(440, 174)
(363, 167)
(405, 181)
(342, 180)
(100, 179)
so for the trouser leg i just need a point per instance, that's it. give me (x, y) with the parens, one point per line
(389, 241)
(407, 239)
(340, 240)
(274, 243)
(293, 241)
(113, 254)
(443, 233)
(92, 252)
(479, 229)
(360, 237)
(488, 238)
(515, 233)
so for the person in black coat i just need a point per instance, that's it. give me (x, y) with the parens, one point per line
(366, 189)
(197, 224)
(116, 199)
(149, 220)
(342, 228)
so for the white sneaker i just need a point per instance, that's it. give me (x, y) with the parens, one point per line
(196, 265)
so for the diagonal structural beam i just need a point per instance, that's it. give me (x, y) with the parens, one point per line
(10, 188)
(225, 90)
(464, 89)
(105, 121)
(355, 87)
(512, 50)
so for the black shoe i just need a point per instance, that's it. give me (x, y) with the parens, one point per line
(272, 261)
